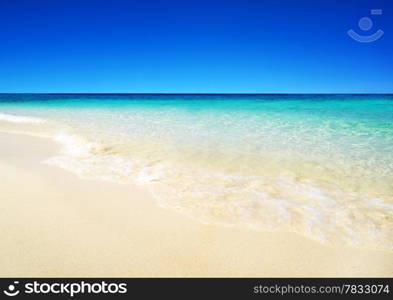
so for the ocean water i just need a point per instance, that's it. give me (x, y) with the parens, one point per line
(317, 165)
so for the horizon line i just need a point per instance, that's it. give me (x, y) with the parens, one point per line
(122, 93)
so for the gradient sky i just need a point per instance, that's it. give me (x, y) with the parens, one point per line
(193, 46)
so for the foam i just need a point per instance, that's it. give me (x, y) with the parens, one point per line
(73, 145)
(20, 119)
(256, 202)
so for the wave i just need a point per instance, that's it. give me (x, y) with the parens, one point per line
(273, 203)
(20, 119)
(270, 203)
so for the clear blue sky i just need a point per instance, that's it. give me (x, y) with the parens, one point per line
(193, 46)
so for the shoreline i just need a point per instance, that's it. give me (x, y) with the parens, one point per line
(59, 225)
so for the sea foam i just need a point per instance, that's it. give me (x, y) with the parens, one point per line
(20, 119)
(256, 202)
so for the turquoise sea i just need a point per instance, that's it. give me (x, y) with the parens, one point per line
(317, 165)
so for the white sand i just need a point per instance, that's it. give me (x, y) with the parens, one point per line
(53, 223)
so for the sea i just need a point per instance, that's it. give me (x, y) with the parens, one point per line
(317, 165)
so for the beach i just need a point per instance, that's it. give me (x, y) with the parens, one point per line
(196, 139)
(56, 224)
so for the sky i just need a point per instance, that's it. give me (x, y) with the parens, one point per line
(193, 46)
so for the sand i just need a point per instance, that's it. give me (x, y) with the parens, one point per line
(54, 224)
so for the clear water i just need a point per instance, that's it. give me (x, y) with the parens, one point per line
(318, 165)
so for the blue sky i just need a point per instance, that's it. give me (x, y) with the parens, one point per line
(152, 46)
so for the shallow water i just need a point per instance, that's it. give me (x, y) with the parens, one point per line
(319, 165)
